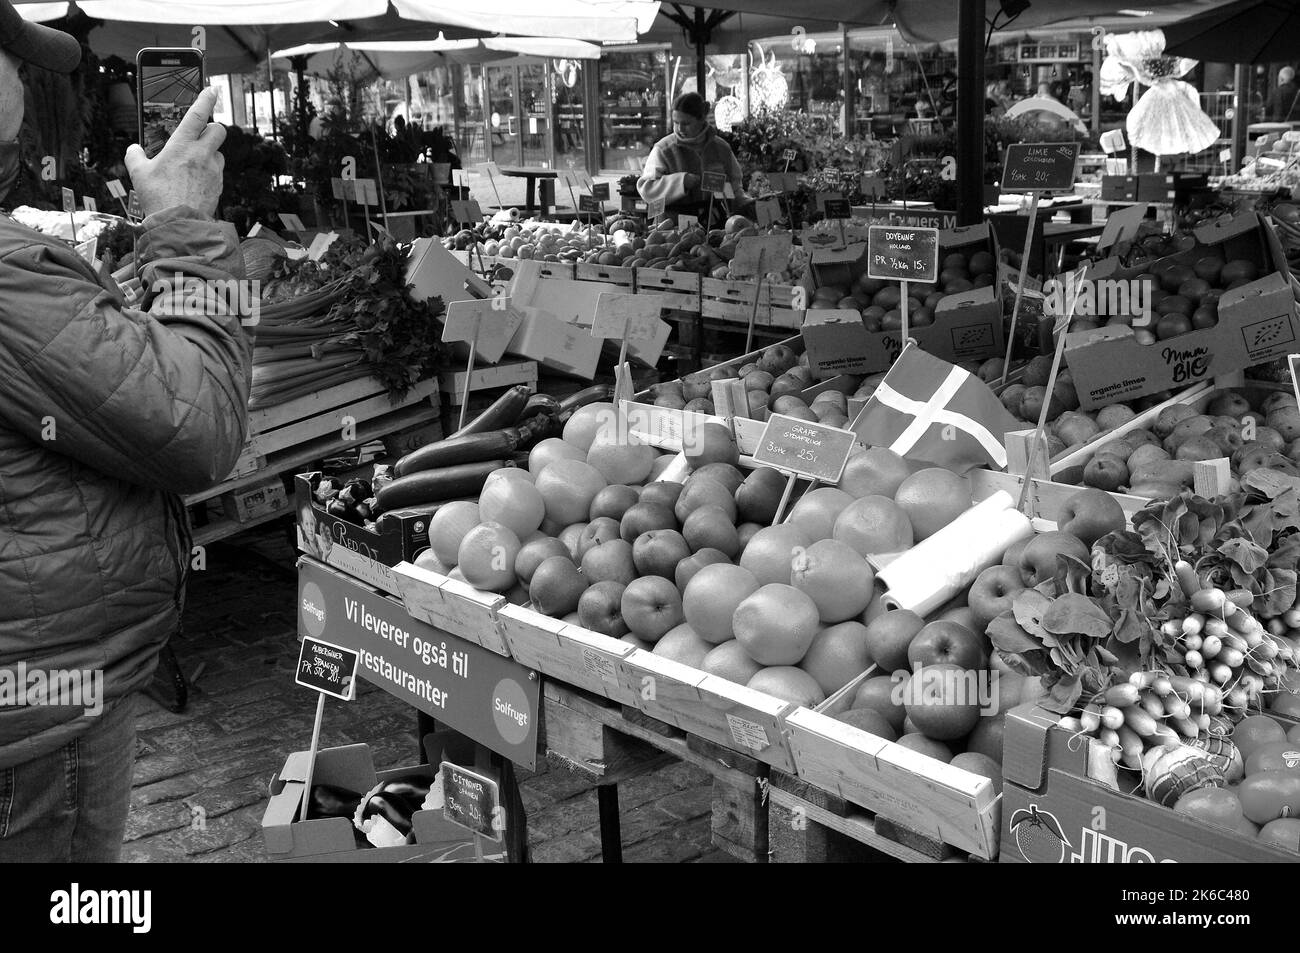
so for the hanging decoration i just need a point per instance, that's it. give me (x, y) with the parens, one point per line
(768, 88)
(1167, 119)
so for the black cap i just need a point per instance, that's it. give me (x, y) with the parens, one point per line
(38, 45)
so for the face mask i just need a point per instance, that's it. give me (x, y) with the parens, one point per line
(9, 166)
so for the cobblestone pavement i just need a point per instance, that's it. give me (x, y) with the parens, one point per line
(201, 776)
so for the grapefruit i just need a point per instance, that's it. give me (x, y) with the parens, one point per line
(770, 552)
(874, 524)
(681, 644)
(567, 488)
(1254, 732)
(548, 451)
(448, 527)
(712, 597)
(932, 498)
(789, 684)
(487, 557)
(513, 503)
(980, 764)
(709, 442)
(776, 624)
(839, 580)
(730, 661)
(876, 471)
(838, 654)
(817, 511)
(927, 746)
(620, 457)
(586, 422)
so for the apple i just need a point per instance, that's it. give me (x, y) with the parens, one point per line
(658, 552)
(942, 700)
(557, 586)
(644, 517)
(1091, 514)
(704, 491)
(1106, 472)
(600, 530)
(993, 592)
(663, 492)
(610, 561)
(600, 609)
(688, 567)
(613, 501)
(651, 606)
(946, 642)
(1038, 559)
(879, 693)
(710, 528)
(531, 555)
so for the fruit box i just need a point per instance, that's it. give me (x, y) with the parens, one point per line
(1053, 811)
(432, 271)
(539, 285)
(367, 554)
(1257, 323)
(557, 344)
(967, 327)
(334, 839)
(904, 786)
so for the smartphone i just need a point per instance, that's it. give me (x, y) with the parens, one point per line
(167, 83)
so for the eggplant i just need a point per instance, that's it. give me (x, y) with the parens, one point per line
(413, 790)
(502, 412)
(327, 489)
(471, 448)
(330, 801)
(392, 808)
(427, 487)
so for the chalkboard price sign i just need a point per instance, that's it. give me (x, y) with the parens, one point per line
(838, 208)
(898, 253)
(327, 668)
(713, 182)
(1040, 167)
(471, 800)
(798, 446)
(600, 191)
(588, 203)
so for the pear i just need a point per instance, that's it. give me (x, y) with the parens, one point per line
(1199, 448)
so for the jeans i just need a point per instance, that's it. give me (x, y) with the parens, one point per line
(70, 806)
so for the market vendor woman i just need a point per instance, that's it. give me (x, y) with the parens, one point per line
(674, 172)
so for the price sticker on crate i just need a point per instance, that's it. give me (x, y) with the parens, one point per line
(327, 668)
(1040, 167)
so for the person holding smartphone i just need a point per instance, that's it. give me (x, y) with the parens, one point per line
(107, 415)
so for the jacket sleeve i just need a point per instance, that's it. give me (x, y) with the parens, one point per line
(657, 184)
(736, 176)
(159, 398)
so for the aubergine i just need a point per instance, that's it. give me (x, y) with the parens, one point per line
(502, 412)
(471, 448)
(426, 487)
(330, 801)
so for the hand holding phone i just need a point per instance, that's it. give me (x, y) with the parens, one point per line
(188, 169)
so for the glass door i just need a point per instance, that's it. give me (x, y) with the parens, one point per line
(503, 132)
(568, 79)
(535, 115)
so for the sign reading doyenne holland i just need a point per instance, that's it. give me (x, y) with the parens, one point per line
(487, 697)
(901, 253)
(798, 446)
(1040, 167)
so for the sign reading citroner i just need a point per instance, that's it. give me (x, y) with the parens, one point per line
(471, 800)
(485, 696)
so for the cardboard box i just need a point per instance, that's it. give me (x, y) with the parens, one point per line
(256, 501)
(559, 345)
(1257, 323)
(1045, 769)
(434, 271)
(335, 839)
(366, 554)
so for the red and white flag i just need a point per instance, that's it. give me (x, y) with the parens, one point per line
(930, 411)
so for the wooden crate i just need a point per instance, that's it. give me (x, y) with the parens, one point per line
(733, 301)
(681, 289)
(609, 274)
(505, 374)
(452, 606)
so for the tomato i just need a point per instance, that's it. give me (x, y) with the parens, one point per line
(1268, 795)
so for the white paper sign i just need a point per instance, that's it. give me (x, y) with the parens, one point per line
(320, 245)
(495, 320)
(292, 222)
(116, 189)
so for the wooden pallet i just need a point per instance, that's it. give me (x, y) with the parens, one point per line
(609, 743)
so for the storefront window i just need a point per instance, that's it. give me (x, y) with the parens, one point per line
(568, 88)
(469, 114)
(633, 111)
(432, 99)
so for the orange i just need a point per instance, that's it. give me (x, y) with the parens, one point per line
(817, 511)
(769, 554)
(448, 527)
(487, 557)
(776, 624)
(838, 654)
(789, 684)
(712, 597)
(567, 488)
(876, 471)
(682, 644)
(581, 428)
(872, 525)
(839, 580)
(932, 498)
(730, 661)
(514, 503)
(1254, 732)
(548, 451)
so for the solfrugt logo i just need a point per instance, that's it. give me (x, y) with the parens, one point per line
(195, 297)
(74, 906)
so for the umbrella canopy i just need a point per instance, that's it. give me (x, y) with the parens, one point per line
(1244, 31)
(399, 58)
(613, 21)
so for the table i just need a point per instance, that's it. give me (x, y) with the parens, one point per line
(1056, 235)
(531, 175)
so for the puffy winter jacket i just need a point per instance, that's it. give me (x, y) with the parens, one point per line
(669, 162)
(106, 415)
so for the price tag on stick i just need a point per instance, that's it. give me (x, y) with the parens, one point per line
(802, 448)
(327, 669)
(633, 320)
(1040, 167)
(70, 206)
(89, 204)
(471, 800)
(903, 254)
(463, 325)
(713, 183)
